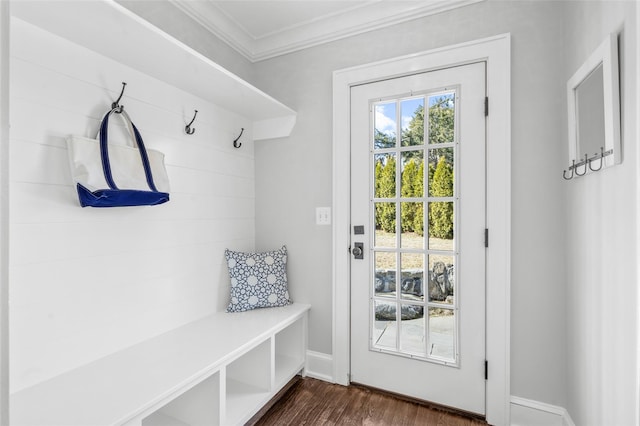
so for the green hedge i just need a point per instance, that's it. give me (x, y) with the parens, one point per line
(439, 173)
(440, 180)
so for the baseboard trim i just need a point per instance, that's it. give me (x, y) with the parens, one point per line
(319, 366)
(524, 412)
(527, 412)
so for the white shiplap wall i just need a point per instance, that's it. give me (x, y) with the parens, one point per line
(87, 282)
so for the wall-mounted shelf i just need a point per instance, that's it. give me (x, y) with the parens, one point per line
(115, 32)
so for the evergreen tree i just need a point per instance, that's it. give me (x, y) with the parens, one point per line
(386, 188)
(409, 182)
(382, 140)
(439, 177)
(377, 191)
(414, 133)
(441, 126)
(441, 213)
(432, 170)
(418, 219)
(441, 120)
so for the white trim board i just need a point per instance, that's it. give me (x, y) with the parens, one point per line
(527, 412)
(319, 366)
(4, 211)
(350, 21)
(496, 52)
(524, 412)
(637, 408)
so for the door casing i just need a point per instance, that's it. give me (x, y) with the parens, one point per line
(496, 52)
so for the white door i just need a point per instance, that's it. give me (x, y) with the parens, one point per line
(418, 236)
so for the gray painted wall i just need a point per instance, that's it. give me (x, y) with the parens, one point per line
(601, 244)
(293, 175)
(570, 345)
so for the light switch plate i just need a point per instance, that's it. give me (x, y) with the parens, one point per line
(323, 215)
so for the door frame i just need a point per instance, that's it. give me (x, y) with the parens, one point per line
(496, 52)
(5, 28)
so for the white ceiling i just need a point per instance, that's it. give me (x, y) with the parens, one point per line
(261, 29)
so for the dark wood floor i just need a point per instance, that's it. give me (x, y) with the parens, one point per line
(314, 402)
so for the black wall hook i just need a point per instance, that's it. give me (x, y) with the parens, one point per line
(235, 142)
(188, 128)
(116, 104)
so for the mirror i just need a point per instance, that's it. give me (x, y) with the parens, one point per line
(590, 113)
(593, 94)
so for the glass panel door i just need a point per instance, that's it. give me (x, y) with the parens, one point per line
(418, 200)
(414, 247)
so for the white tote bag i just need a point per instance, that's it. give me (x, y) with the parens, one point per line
(114, 175)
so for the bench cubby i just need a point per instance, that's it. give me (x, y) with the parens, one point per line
(290, 349)
(199, 405)
(248, 382)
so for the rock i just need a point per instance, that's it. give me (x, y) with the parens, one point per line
(412, 282)
(387, 312)
(385, 281)
(441, 280)
(439, 284)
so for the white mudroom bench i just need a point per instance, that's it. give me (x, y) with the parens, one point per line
(220, 370)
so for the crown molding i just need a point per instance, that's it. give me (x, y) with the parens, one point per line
(353, 21)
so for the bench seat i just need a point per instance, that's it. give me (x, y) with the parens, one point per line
(260, 350)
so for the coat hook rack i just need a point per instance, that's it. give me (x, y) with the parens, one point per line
(586, 162)
(188, 128)
(235, 141)
(116, 104)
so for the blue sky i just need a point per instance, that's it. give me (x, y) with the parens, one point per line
(385, 114)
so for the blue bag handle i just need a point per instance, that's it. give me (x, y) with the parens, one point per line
(104, 150)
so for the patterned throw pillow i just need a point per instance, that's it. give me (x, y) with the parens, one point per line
(258, 280)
